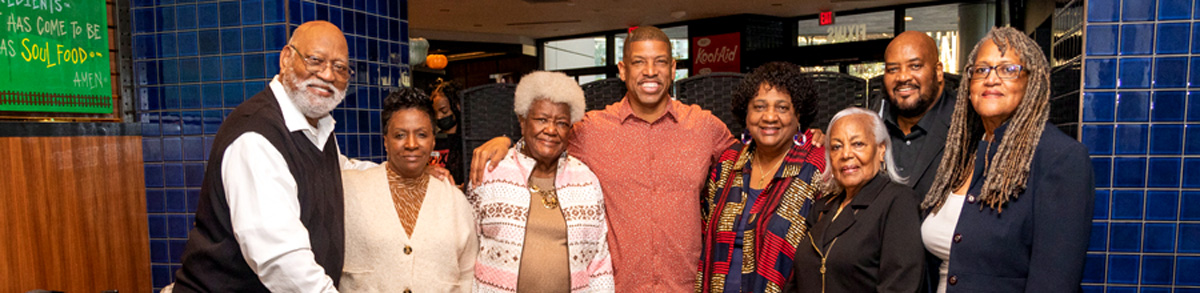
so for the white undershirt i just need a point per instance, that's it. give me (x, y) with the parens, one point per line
(264, 209)
(937, 232)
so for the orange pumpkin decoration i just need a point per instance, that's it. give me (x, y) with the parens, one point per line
(436, 61)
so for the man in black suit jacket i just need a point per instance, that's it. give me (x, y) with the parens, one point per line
(917, 109)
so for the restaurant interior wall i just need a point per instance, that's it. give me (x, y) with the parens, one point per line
(197, 60)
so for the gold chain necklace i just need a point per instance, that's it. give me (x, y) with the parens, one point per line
(766, 174)
(549, 197)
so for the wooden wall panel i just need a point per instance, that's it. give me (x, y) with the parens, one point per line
(73, 214)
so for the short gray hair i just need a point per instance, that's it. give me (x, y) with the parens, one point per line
(831, 186)
(551, 86)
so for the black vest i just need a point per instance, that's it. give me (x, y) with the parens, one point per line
(212, 260)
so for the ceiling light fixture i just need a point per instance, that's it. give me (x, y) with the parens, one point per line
(908, 18)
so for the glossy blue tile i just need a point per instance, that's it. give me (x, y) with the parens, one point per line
(177, 225)
(1098, 238)
(1122, 269)
(233, 94)
(252, 12)
(322, 12)
(231, 13)
(1162, 205)
(1169, 72)
(1174, 9)
(157, 225)
(143, 20)
(348, 17)
(1100, 209)
(147, 73)
(1133, 107)
(158, 251)
(144, 47)
(155, 201)
(231, 40)
(193, 148)
(271, 60)
(1168, 106)
(1185, 270)
(189, 43)
(143, 3)
(252, 39)
(190, 97)
(175, 200)
(253, 88)
(1191, 173)
(1172, 38)
(210, 42)
(208, 15)
(1156, 269)
(185, 17)
(193, 203)
(150, 123)
(1164, 172)
(170, 124)
(174, 175)
(212, 123)
(210, 94)
(1189, 207)
(210, 68)
(208, 142)
(254, 67)
(308, 11)
(172, 149)
(1159, 238)
(232, 67)
(1154, 289)
(295, 12)
(1100, 73)
(335, 16)
(1129, 172)
(276, 37)
(152, 150)
(273, 11)
(190, 120)
(161, 275)
(1127, 205)
(195, 171)
(1135, 73)
(1166, 139)
(165, 18)
(189, 70)
(1193, 108)
(1136, 10)
(168, 46)
(1093, 269)
(1137, 39)
(1131, 139)
(1195, 39)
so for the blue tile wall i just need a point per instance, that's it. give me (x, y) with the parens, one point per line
(1141, 102)
(201, 59)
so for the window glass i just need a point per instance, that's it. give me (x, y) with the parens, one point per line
(866, 70)
(941, 23)
(584, 79)
(677, 34)
(847, 28)
(574, 53)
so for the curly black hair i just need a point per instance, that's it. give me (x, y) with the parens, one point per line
(406, 98)
(784, 77)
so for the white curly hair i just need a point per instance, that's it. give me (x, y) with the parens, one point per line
(551, 86)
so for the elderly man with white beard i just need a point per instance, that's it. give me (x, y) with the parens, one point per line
(270, 215)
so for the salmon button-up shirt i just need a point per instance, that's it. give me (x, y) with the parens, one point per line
(652, 173)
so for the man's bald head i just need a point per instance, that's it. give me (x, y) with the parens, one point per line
(912, 75)
(320, 37)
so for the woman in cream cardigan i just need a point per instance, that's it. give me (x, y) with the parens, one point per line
(541, 212)
(405, 230)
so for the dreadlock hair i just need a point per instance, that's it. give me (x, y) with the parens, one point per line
(1008, 172)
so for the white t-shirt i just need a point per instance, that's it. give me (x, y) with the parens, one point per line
(937, 232)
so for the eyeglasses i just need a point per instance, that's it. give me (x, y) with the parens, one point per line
(1004, 71)
(316, 64)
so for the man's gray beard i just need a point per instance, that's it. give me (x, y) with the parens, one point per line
(313, 106)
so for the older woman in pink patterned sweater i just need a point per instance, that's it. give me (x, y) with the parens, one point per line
(541, 211)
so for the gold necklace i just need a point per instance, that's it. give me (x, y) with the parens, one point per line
(766, 174)
(549, 197)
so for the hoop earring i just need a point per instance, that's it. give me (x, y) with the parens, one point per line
(743, 139)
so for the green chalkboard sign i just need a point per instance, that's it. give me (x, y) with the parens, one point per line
(54, 56)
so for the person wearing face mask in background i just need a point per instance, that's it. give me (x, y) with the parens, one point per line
(448, 150)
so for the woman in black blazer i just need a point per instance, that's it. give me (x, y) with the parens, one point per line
(1010, 209)
(864, 234)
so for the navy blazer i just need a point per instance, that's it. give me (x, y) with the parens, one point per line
(1039, 241)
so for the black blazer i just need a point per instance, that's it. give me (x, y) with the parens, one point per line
(1039, 242)
(878, 242)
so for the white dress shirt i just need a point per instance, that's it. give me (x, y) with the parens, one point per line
(937, 232)
(264, 208)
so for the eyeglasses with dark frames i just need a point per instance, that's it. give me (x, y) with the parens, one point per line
(316, 64)
(1004, 71)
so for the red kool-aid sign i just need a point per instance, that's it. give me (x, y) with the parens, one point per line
(717, 53)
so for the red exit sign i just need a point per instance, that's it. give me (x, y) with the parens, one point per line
(826, 18)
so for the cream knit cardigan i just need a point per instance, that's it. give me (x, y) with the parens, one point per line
(443, 244)
(502, 206)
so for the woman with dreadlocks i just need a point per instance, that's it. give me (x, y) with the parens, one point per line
(1010, 209)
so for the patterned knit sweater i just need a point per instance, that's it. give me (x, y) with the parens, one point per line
(501, 204)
